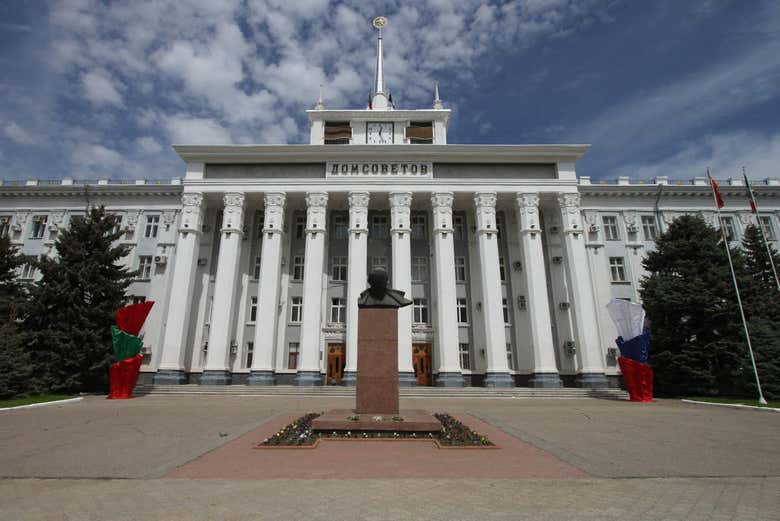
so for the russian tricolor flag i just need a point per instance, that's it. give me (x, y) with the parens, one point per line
(634, 345)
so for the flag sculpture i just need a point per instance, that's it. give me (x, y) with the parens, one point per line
(127, 349)
(634, 345)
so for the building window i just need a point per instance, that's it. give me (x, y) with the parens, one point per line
(420, 311)
(379, 227)
(728, 226)
(5, 225)
(419, 269)
(648, 227)
(340, 226)
(152, 225)
(463, 313)
(337, 133)
(418, 226)
(460, 269)
(420, 132)
(296, 309)
(766, 226)
(505, 310)
(292, 355)
(253, 309)
(300, 226)
(256, 272)
(260, 219)
(458, 223)
(339, 269)
(39, 226)
(27, 271)
(510, 357)
(617, 269)
(502, 269)
(145, 266)
(298, 267)
(338, 310)
(250, 351)
(378, 263)
(610, 228)
(465, 356)
(499, 225)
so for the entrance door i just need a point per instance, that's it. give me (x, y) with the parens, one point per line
(421, 361)
(336, 362)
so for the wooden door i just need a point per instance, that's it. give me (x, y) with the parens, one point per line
(336, 361)
(421, 361)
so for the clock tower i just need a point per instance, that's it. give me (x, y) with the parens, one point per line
(379, 124)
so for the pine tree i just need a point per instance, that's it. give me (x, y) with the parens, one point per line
(698, 346)
(68, 320)
(762, 306)
(15, 369)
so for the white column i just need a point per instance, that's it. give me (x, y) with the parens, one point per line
(590, 363)
(357, 279)
(217, 369)
(400, 230)
(446, 320)
(545, 371)
(497, 374)
(171, 369)
(268, 291)
(311, 327)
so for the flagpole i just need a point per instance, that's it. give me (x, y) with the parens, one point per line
(761, 228)
(761, 398)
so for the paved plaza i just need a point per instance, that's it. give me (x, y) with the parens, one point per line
(191, 457)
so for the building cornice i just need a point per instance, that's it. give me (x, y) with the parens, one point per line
(117, 190)
(651, 190)
(379, 115)
(433, 153)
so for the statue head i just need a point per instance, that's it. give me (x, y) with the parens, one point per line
(377, 280)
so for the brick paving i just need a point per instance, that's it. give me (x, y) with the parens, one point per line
(665, 460)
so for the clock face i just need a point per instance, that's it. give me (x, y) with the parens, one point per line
(379, 133)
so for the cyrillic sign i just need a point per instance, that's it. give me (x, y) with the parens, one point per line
(379, 169)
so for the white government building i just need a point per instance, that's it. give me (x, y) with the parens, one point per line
(256, 257)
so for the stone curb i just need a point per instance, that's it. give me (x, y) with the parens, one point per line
(734, 406)
(42, 404)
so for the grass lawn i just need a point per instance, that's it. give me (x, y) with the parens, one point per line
(742, 401)
(13, 402)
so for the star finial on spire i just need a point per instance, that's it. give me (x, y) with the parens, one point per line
(436, 101)
(320, 103)
(379, 96)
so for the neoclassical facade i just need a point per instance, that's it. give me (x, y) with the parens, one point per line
(256, 257)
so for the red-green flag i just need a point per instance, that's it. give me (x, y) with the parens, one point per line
(751, 197)
(127, 349)
(125, 346)
(715, 191)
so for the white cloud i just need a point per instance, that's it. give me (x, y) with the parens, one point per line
(17, 134)
(99, 89)
(186, 130)
(148, 145)
(90, 158)
(725, 153)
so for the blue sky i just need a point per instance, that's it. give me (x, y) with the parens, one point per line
(101, 89)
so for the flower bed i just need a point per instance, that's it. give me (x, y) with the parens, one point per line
(453, 433)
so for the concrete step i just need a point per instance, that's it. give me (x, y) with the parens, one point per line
(409, 392)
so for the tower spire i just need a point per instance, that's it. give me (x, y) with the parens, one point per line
(379, 94)
(320, 102)
(436, 101)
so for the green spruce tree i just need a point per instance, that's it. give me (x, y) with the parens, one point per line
(15, 369)
(762, 306)
(697, 343)
(68, 320)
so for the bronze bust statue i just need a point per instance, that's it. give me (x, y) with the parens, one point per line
(378, 295)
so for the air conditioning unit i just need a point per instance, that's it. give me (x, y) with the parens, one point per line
(161, 259)
(202, 261)
(557, 260)
(17, 227)
(233, 349)
(521, 303)
(554, 229)
(570, 347)
(632, 228)
(594, 228)
(518, 266)
(146, 350)
(564, 306)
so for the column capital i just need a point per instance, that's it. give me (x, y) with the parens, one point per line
(191, 213)
(485, 206)
(274, 212)
(442, 211)
(233, 214)
(316, 206)
(528, 212)
(358, 211)
(400, 212)
(570, 212)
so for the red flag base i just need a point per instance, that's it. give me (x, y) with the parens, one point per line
(123, 377)
(638, 378)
